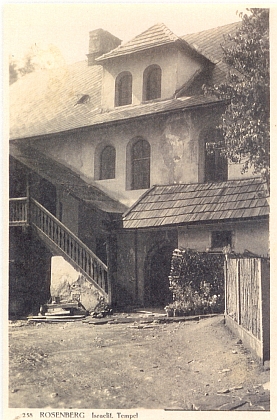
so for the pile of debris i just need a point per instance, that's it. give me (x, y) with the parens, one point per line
(69, 310)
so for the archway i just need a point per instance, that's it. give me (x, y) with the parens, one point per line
(157, 293)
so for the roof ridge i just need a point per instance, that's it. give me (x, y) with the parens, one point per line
(211, 29)
(158, 27)
(168, 32)
(206, 183)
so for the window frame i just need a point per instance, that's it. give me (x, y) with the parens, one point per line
(215, 165)
(107, 172)
(218, 239)
(123, 93)
(140, 160)
(148, 89)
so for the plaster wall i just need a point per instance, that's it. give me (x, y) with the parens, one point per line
(250, 235)
(70, 207)
(174, 151)
(133, 253)
(177, 151)
(67, 282)
(187, 68)
(235, 172)
(177, 68)
(125, 288)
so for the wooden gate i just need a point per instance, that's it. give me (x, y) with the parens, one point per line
(247, 301)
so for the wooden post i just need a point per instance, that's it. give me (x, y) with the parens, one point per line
(238, 293)
(265, 307)
(225, 284)
(136, 266)
(110, 267)
(28, 210)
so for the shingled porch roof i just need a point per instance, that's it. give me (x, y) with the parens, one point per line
(194, 203)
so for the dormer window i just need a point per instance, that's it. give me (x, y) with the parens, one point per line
(152, 77)
(123, 89)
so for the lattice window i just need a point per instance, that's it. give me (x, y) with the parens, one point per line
(152, 83)
(216, 165)
(123, 89)
(140, 157)
(107, 163)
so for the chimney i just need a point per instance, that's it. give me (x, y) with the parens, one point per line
(100, 42)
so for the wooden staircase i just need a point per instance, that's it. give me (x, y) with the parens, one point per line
(61, 241)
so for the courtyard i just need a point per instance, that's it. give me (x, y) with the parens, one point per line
(134, 361)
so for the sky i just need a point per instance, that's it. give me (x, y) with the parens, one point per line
(67, 26)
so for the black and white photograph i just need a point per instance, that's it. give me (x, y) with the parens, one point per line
(138, 193)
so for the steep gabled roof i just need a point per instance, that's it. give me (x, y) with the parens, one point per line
(45, 101)
(196, 203)
(39, 124)
(155, 36)
(54, 101)
(208, 43)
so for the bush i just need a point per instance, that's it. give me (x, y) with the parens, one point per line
(196, 282)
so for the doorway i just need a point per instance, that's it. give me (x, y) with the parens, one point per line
(157, 293)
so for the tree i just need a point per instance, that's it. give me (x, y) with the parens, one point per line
(245, 124)
(36, 58)
(16, 70)
(13, 71)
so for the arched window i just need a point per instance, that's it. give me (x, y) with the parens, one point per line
(140, 165)
(152, 77)
(216, 165)
(123, 89)
(107, 163)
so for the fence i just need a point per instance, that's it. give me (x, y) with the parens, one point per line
(247, 301)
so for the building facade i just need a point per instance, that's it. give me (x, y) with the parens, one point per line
(94, 142)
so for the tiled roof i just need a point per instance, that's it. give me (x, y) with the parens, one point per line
(208, 43)
(44, 121)
(46, 102)
(64, 177)
(155, 36)
(194, 203)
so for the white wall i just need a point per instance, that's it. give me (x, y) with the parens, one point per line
(250, 235)
(177, 68)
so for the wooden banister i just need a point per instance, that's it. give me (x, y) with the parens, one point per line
(70, 245)
(61, 240)
(18, 211)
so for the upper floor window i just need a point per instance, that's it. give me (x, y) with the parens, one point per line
(107, 163)
(152, 77)
(216, 165)
(123, 89)
(140, 165)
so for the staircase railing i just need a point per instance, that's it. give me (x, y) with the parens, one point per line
(18, 211)
(70, 246)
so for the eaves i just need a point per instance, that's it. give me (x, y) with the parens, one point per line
(122, 121)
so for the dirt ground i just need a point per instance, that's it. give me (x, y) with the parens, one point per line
(191, 365)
